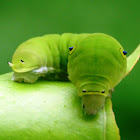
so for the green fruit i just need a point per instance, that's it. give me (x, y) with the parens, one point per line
(50, 110)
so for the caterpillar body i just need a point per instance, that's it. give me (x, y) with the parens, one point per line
(95, 64)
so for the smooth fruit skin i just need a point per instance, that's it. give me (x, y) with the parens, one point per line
(49, 110)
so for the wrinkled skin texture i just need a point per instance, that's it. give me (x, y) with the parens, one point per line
(96, 65)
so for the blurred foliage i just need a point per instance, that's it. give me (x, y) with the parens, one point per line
(21, 20)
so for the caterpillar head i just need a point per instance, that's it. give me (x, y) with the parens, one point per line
(93, 103)
(24, 61)
(96, 64)
(93, 96)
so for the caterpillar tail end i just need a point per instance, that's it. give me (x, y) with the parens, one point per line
(10, 64)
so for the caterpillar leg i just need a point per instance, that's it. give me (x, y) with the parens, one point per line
(43, 70)
(32, 76)
(27, 77)
(110, 92)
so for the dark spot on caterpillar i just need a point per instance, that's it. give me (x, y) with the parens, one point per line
(70, 48)
(21, 60)
(83, 106)
(124, 52)
(103, 91)
(83, 90)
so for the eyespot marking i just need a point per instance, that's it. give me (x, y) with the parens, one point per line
(70, 48)
(124, 52)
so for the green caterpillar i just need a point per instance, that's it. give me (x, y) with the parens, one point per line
(95, 64)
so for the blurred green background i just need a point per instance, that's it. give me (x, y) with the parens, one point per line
(21, 20)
